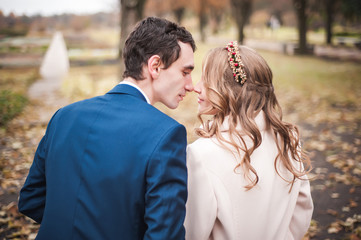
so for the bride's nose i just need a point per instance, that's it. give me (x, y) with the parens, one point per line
(197, 87)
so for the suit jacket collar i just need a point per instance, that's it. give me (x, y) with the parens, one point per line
(127, 89)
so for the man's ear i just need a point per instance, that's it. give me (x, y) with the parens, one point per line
(154, 64)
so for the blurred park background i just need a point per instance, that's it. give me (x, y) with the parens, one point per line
(312, 46)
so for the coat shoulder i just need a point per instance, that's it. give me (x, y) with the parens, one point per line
(204, 147)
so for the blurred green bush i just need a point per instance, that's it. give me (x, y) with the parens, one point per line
(11, 104)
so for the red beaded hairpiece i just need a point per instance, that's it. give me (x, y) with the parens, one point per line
(236, 63)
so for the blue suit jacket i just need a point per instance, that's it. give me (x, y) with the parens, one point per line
(110, 167)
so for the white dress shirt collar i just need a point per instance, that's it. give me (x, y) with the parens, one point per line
(138, 88)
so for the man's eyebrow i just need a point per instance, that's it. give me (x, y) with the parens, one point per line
(189, 67)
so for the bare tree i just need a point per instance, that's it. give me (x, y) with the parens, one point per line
(351, 11)
(216, 18)
(330, 12)
(179, 13)
(300, 7)
(217, 9)
(202, 19)
(205, 10)
(162, 8)
(131, 11)
(178, 8)
(241, 10)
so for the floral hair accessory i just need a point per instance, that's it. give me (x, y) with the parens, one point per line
(235, 61)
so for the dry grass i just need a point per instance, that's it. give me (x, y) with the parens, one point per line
(17, 80)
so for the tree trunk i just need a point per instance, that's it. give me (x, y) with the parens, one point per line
(241, 10)
(202, 19)
(179, 13)
(330, 8)
(131, 11)
(216, 18)
(300, 7)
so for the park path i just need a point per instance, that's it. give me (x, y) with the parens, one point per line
(46, 93)
(54, 68)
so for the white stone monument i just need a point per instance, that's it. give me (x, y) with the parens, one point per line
(55, 64)
(54, 68)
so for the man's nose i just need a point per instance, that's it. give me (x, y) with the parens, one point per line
(189, 84)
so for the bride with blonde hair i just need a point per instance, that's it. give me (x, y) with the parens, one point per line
(247, 172)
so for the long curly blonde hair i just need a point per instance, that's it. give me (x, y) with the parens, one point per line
(240, 105)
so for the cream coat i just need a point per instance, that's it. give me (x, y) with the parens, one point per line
(219, 208)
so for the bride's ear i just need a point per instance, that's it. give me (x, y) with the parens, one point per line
(154, 64)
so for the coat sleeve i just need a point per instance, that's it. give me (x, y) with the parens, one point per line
(201, 206)
(32, 195)
(166, 187)
(302, 214)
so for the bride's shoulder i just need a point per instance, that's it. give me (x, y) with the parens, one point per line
(201, 142)
(203, 146)
(206, 153)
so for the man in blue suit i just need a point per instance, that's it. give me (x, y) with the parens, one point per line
(113, 166)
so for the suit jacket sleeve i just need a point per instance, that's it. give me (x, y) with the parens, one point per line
(201, 205)
(166, 187)
(32, 195)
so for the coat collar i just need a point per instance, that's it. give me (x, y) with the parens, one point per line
(127, 89)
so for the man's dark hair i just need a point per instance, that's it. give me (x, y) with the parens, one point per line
(153, 36)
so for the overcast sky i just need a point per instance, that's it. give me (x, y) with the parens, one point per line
(49, 7)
